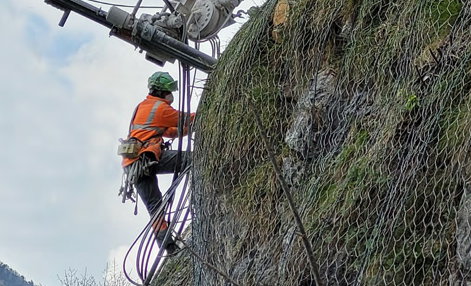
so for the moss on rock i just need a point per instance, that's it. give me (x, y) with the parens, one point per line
(379, 199)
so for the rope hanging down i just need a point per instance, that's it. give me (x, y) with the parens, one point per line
(178, 216)
(145, 242)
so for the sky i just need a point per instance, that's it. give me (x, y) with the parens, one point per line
(67, 95)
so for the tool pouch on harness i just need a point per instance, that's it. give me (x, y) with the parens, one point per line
(130, 148)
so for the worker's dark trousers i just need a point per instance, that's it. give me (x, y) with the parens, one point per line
(147, 186)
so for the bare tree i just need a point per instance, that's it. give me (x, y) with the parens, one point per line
(112, 277)
(72, 278)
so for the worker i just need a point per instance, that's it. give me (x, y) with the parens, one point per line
(143, 155)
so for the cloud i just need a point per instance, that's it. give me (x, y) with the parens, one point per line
(63, 116)
(67, 95)
(117, 254)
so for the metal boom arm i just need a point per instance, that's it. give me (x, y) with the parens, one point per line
(155, 42)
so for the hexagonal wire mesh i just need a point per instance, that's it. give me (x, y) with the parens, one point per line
(367, 106)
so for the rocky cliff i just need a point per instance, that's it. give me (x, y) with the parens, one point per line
(367, 107)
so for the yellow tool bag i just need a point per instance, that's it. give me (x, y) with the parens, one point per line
(129, 148)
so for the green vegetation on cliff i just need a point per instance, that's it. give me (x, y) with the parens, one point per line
(368, 107)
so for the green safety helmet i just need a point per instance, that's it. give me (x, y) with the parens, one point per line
(162, 81)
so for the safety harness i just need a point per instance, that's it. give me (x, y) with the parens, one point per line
(131, 148)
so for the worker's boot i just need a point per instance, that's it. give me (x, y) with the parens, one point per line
(170, 246)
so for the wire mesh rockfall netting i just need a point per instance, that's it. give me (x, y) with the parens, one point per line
(367, 107)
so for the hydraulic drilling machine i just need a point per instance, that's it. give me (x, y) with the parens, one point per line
(163, 36)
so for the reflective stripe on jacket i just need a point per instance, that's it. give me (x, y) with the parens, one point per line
(153, 118)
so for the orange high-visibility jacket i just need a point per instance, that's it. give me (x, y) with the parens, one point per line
(152, 119)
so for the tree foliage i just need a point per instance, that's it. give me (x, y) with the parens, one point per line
(9, 277)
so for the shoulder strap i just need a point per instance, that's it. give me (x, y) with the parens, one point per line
(132, 118)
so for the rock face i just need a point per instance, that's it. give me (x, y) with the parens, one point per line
(463, 231)
(310, 114)
(367, 106)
